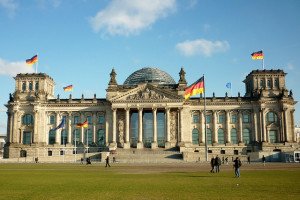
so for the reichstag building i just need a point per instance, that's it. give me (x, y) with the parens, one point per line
(148, 112)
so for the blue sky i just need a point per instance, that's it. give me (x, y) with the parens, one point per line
(79, 42)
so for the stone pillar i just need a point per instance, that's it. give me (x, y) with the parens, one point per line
(57, 135)
(254, 125)
(154, 142)
(202, 127)
(240, 131)
(228, 138)
(113, 144)
(36, 127)
(215, 133)
(294, 139)
(69, 140)
(15, 131)
(140, 136)
(94, 126)
(263, 129)
(284, 124)
(127, 118)
(168, 143)
(10, 118)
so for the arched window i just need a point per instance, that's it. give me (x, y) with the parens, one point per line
(246, 136)
(27, 119)
(271, 117)
(101, 137)
(234, 138)
(24, 86)
(30, 86)
(51, 139)
(63, 137)
(221, 136)
(37, 86)
(209, 136)
(195, 136)
(27, 137)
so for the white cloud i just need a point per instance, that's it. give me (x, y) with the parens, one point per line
(13, 68)
(290, 66)
(10, 5)
(126, 17)
(202, 47)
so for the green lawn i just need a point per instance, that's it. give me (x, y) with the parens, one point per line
(121, 181)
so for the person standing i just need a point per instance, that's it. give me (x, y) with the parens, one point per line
(107, 161)
(217, 164)
(248, 159)
(264, 160)
(236, 165)
(212, 164)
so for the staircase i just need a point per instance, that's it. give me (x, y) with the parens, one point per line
(146, 156)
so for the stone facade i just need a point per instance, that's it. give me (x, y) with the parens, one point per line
(149, 111)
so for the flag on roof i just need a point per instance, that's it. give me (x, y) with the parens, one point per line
(259, 55)
(61, 125)
(68, 88)
(84, 124)
(32, 60)
(228, 85)
(195, 88)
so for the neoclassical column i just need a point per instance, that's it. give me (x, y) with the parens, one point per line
(215, 133)
(284, 123)
(57, 120)
(154, 142)
(114, 128)
(263, 130)
(168, 124)
(294, 139)
(140, 136)
(15, 132)
(127, 118)
(228, 138)
(254, 125)
(240, 131)
(10, 117)
(69, 127)
(94, 126)
(82, 129)
(202, 126)
(35, 129)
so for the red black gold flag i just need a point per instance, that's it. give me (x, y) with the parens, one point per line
(195, 88)
(32, 60)
(259, 55)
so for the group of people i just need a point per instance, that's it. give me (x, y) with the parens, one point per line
(215, 163)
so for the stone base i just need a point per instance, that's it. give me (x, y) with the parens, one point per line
(139, 145)
(112, 146)
(126, 145)
(154, 145)
(228, 144)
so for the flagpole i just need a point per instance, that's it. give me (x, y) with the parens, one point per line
(205, 131)
(37, 63)
(263, 63)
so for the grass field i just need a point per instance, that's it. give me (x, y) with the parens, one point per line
(160, 181)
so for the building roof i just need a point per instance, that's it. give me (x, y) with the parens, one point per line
(149, 75)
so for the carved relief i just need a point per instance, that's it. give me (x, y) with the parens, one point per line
(146, 95)
(173, 126)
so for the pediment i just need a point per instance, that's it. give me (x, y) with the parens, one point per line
(146, 92)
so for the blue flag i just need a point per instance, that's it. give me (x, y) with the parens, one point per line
(61, 125)
(228, 85)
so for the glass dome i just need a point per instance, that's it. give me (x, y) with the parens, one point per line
(149, 75)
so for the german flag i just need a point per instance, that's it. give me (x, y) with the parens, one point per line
(85, 124)
(32, 60)
(195, 88)
(68, 88)
(259, 55)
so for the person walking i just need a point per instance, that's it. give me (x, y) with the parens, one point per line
(248, 159)
(236, 165)
(212, 164)
(107, 161)
(217, 164)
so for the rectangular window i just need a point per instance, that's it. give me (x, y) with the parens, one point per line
(51, 119)
(26, 137)
(246, 118)
(208, 119)
(221, 118)
(195, 118)
(76, 119)
(101, 119)
(49, 153)
(233, 118)
(89, 119)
